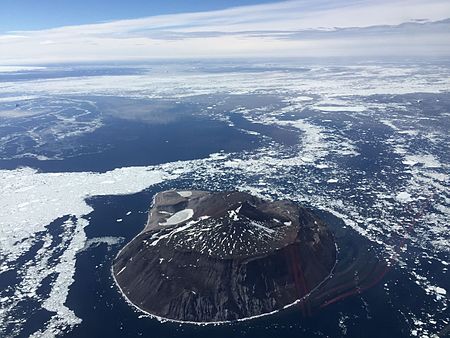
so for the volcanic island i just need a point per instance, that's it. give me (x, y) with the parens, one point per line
(209, 257)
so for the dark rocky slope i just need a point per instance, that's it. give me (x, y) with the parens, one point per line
(223, 256)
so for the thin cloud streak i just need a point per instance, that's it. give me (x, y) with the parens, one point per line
(291, 28)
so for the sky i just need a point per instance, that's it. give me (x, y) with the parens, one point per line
(41, 14)
(56, 31)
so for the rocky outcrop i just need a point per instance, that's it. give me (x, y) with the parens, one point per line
(222, 256)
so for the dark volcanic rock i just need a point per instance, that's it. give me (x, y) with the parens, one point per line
(223, 256)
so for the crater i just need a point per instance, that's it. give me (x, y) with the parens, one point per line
(208, 257)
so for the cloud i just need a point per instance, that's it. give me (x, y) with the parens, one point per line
(290, 28)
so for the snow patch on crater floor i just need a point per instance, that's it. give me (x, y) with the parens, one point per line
(184, 193)
(179, 217)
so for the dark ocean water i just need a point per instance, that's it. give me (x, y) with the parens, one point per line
(95, 298)
(125, 143)
(379, 298)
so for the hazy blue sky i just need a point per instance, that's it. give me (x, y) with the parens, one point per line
(39, 14)
(46, 31)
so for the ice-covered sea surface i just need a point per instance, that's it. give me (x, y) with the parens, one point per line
(84, 149)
